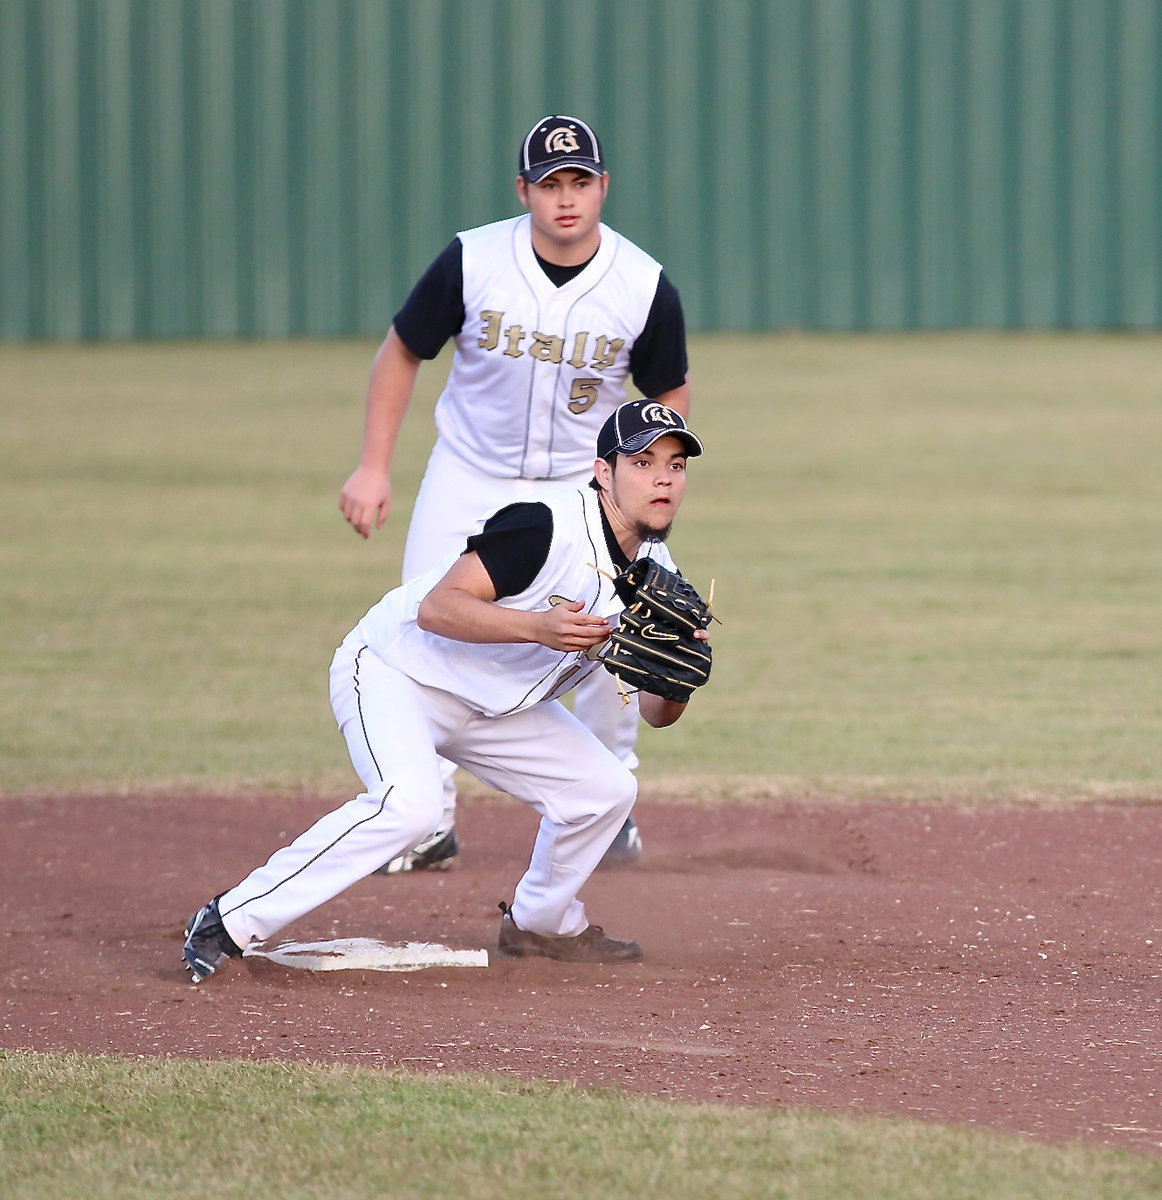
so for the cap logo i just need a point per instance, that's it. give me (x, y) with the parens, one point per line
(562, 140)
(658, 414)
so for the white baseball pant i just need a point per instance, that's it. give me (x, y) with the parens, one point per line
(396, 732)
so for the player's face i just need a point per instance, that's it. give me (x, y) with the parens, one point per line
(645, 490)
(565, 208)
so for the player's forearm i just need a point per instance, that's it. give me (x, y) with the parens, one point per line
(677, 398)
(658, 713)
(455, 613)
(389, 392)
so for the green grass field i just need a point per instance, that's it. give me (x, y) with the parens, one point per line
(937, 560)
(89, 1128)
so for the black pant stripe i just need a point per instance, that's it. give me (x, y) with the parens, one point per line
(347, 832)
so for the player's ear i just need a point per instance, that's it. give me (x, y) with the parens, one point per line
(522, 190)
(603, 473)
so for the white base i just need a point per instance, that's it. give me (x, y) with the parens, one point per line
(367, 954)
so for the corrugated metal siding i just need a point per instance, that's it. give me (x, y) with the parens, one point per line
(271, 167)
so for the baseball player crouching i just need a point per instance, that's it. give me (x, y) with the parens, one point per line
(468, 663)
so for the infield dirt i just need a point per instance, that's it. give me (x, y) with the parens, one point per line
(994, 966)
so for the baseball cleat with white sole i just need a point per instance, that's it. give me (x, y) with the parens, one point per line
(432, 854)
(626, 848)
(208, 945)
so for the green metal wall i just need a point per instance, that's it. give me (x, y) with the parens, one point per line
(273, 167)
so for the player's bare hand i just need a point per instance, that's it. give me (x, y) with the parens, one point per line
(565, 627)
(366, 499)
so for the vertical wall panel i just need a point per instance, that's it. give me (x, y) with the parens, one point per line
(322, 155)
(787, 263)
(684, 175)
(369, 115)
(940, 176)
(888, 150)
(988, 151)
(1136, 176)
(113, 215)
(428, 138)
(167, 209)
(833, 236)
(1041, 165)
(265, 152)
(233, 168)
(61, 202)
(16, 266)
(736, 135)
(219, 193)
(1091, 118)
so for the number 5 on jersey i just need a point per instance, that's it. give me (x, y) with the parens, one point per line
(583, 394)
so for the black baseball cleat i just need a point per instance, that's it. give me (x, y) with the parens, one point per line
(208, 945)
(432, 854)
(592, 946)
(625, 848)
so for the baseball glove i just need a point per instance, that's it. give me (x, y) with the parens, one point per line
(654, 648)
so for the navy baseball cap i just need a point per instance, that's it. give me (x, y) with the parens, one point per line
(634, 426)
(559, 144)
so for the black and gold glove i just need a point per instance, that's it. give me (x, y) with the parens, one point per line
(654, 648)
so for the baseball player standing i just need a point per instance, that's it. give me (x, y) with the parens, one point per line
(551, 312)
(468, 663)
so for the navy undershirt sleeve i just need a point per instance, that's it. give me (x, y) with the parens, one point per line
(514, 545)
(657, 359)
(434, 309)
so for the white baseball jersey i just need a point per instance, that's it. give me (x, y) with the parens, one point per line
(498, 679)
(537, 367)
